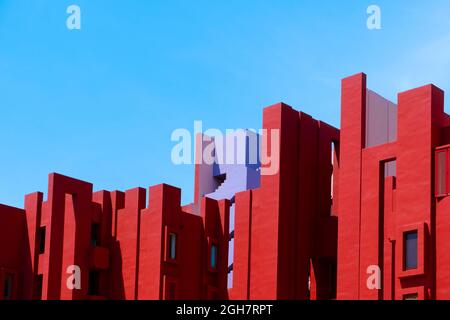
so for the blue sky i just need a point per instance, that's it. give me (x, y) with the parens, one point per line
(100, 104)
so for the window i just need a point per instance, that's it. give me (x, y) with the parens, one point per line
(442, 173)
(390, 168)
(8, 286)
(95, 234)
(172, 246)
(94, 283)
(41, 235)
(213, 256)
(170, 288)
(410, 250)
(412, 296)
(37, 295)
(171, 291)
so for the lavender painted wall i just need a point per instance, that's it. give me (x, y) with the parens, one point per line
(241, 172)
(236, 168)
(381, 120)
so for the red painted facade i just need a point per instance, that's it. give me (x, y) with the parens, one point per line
(287, 226)
(374, 194)
(378, 209)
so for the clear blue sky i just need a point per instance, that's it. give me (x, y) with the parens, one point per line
(100, 104)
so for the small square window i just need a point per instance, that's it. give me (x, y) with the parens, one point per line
(410, 250)
(390, 168)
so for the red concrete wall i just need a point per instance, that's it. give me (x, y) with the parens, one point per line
(14, 260)
(292, 240)
(242, 247)
(352, 141)
(294, 208)
(128, 239)
(375, 209)
(421, 109)
(130, 255)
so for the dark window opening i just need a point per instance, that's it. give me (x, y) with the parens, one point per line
(94, 283)
(213, 256)
(333, 280)
(441, 175)
(172, 246)
(412, 296)
(37, 295)
(41, 235)
(170, 291)
(95, 234)
(8, 286)
(410, 250)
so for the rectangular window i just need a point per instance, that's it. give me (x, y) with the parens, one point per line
(172, 246)
(170, 291)
(213, 256)
(390, 168)
(94, 283)
(410, 250)
(412, 296)
(441, 173)
(39, 280)
(8, 286)
(41, 235)
(95, 234)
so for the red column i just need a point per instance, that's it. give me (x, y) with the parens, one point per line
(33, 207)
(128, 233)
(352, 141)
(419, 115)
(242, 245)
(273, 213)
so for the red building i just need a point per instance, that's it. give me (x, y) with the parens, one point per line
(384, 177)
(394, 181)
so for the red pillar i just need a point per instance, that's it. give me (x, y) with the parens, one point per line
(242, 246)
(351, 145)
(419, 115)
(128, 233)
